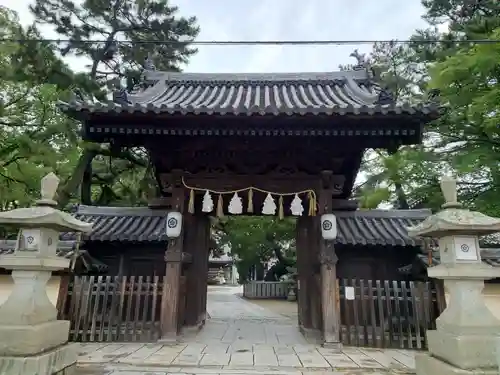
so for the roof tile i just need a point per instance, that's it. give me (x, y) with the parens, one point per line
(126, 224)
(378, 227)
(345, 92)
(375, 227)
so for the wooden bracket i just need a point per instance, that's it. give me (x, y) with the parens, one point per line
(327, 256)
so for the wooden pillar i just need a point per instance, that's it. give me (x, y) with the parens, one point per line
(303, 270)
(328, 260)
(309, 295)
(173, 259)
(314, 283)
(196, 244)
(205, 234)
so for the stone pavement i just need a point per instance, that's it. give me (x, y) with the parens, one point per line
(234, 320)
(240, 338)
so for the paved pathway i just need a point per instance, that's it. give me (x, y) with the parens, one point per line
(241, 324)
(240, 338)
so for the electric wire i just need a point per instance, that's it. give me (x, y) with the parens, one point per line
(252, 42)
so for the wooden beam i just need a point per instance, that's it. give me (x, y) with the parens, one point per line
(344, 204)
(160, 203)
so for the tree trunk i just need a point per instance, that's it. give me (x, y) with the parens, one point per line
(401, 197)
(86, 190)
(65, 193)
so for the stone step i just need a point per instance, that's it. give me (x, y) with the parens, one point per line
(231, 370)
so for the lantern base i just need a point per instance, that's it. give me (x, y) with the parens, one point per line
(20, 340)
(426, 364)
(463, 351)
(58, 361)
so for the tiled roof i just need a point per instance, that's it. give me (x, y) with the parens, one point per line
(378, 227)
(375, 227)
(65, 249)
(333, 93)
(139, 224)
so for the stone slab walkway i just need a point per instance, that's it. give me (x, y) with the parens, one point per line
(241, 357)
(240, 338)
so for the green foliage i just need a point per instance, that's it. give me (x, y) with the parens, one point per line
(135, 21)
(35, 137)
(469, 84)
(33, 141)
(123, 177)
(465, 140)
(255, 240)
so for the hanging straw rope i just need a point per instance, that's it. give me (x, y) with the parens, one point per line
(220, 209)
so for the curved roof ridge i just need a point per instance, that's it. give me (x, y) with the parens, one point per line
(154, 75)
(119, 211)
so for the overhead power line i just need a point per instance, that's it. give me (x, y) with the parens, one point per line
(254, 42)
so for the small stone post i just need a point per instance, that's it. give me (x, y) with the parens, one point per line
(466, 335)
(32, 340)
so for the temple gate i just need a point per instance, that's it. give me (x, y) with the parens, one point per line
(255, 144)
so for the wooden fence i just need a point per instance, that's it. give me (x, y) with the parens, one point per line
(265, 289)
(388, 313)
(113, 308)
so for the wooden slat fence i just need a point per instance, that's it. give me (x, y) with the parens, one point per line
(265, 289)
(388, 314)
(112, 308)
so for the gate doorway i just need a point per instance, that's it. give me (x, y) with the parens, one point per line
(272, 136)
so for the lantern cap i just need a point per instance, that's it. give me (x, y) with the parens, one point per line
(45, 214)
(454, 220)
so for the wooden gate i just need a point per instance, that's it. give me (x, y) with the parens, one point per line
(388, 314)
(266, 289)
(112, 308)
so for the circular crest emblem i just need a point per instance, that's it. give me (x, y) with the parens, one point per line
(30, 239)
(172, 222)
(327, 225)
(464, 248)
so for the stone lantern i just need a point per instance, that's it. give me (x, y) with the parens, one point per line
(465, 339)
(32, 340)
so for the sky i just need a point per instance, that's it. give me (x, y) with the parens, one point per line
(282, 20)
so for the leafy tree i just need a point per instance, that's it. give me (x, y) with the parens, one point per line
(125, 27)
(257, 240)
(33, 60)
(456, 142)
(402, 176)
(469, 83)
(33, 141)
(35, 137)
